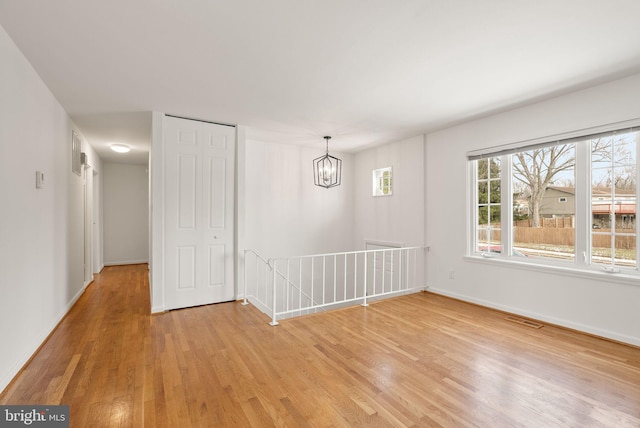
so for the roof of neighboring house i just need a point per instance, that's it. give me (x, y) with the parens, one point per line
(563, 189)
(597, 190)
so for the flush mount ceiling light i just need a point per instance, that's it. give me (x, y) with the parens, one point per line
(120, 148)
(327, 169)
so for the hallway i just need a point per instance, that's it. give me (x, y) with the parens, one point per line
(418, 360)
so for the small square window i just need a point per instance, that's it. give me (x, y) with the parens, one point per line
(382, 182)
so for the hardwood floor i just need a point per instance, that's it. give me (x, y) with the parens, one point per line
(418, 360)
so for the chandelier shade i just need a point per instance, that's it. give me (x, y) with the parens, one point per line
(327, 169)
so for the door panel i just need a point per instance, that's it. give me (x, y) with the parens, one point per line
(199, 210)
(217, 256)
(186, 264)
(187, 186)
(217, 186)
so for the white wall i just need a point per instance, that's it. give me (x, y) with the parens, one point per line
(41, 231)
(126, 213)
(599, 306)
(399, 217)
(285, 214)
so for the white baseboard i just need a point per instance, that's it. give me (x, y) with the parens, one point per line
(541, 317)
(157, 310)
(35, 345)
(126, 262)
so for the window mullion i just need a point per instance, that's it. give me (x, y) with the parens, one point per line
(506, 209)
(583, 204)
(637, 200)
(472, 210)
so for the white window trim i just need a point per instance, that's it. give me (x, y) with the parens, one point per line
(543, 266)
(581, 266)
(550, 140)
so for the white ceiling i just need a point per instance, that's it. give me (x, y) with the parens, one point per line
(366, 72)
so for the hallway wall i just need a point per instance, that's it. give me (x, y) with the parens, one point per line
(41, 230)
(126, 213)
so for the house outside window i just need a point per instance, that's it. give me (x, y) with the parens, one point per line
(573, 201)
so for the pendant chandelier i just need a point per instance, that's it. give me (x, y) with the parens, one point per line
(327, 169)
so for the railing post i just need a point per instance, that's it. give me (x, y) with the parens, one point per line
(265, 279)
(244, 301)
(274, 322)
(324, 278)
(375, 276)
(364, 302)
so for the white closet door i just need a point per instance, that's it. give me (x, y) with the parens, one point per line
(199, 212)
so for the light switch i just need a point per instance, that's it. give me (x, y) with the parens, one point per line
(39, 180)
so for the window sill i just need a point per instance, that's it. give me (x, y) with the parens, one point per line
(624, 277)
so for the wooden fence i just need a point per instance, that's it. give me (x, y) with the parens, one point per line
(565, 236)
(558, 222)
(544, 235)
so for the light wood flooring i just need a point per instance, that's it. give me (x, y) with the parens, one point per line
(418, 360)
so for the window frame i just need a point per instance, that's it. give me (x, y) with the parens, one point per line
(582, 263)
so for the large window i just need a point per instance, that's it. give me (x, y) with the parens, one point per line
(567, 202)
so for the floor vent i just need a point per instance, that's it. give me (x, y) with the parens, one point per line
(523, 321)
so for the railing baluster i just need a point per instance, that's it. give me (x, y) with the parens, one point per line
(266, 284)
(335, 276)
(355, 275)
(364, 302)
(384, 268)
(244, 276)
(393, 252)
(273, 317)
(415, 262)
(400, 269)
(287, 283)
(344, 286)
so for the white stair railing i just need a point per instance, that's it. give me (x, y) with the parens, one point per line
(260, 275)
(286, 287)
